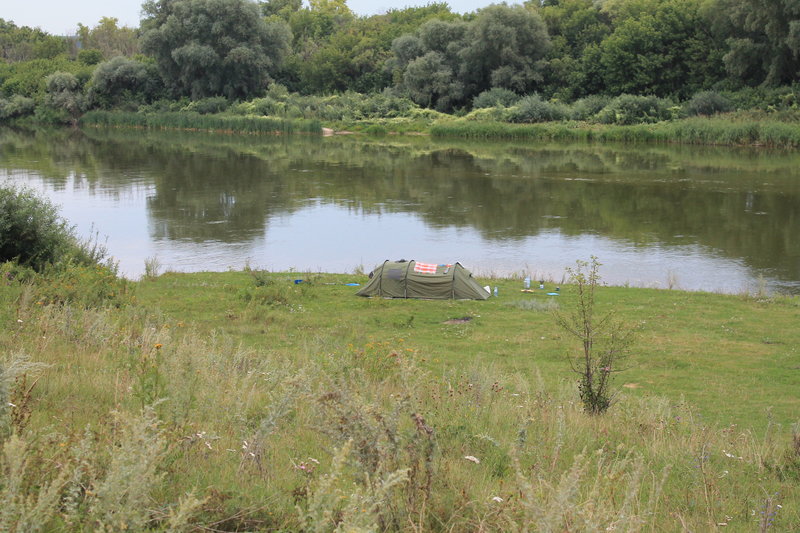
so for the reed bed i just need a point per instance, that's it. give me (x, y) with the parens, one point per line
(196, 122)
(124, 418)
(711, 131)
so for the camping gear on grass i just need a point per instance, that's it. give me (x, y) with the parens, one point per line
(409, 279)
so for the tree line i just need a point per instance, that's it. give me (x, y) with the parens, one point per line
(555, 50)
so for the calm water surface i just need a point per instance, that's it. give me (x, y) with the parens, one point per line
(694, 218)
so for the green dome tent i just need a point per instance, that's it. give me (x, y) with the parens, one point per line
(410, 279)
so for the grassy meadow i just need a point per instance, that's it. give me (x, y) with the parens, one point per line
(243, 401)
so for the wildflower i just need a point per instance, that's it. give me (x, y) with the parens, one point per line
(472, 458)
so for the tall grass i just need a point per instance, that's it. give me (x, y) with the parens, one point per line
(718, 131)
(196, 121)
(355, 436)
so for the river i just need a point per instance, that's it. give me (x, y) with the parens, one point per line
(695, 218)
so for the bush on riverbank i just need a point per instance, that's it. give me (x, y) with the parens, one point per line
(32, 233)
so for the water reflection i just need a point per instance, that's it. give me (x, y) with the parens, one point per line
(713, 218)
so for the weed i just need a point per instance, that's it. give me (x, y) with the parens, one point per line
(152, 268)
(14, 370)
(605, 342)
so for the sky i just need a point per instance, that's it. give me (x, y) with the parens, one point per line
(60, 17)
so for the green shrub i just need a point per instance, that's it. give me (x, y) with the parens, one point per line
(496, 97)
(708, 103)
(261, 106)
(90, 56)
(765, 98)
(376, 129)
(534, 109)
(208, 106)
(628, 109)
(28, 78)
(498, 114)
(125, 83)
(383, 105)
(586, 108)
(87, 286)
(31, 230)
(15, 107)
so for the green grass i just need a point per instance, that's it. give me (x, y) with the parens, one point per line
(683, 349)
(722, 130)
(301, 407)
(198, 122)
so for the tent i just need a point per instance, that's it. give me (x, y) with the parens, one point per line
(410, 279)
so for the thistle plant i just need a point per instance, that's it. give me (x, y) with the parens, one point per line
(604, 341)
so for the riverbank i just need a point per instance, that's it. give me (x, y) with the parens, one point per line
(337, 409)
(720, 130)
(733, 129)
(190, 121)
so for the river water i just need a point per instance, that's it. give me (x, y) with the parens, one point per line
(696, 218)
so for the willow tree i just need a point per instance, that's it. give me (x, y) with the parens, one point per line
(213, 47)
(506, 47)
(763, 38)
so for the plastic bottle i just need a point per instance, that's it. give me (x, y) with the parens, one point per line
(495, 290)
(527, 283)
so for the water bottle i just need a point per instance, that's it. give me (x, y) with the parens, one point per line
(527, 283)
(495, 290)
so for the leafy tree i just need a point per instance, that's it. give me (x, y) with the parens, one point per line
(65, 93)
(27, 78)
(110, 39)
(661, 47)
(124, 82)
(430, 82)
(763, 40)
(24, 44)
(576, 28)
(506, 46)
(280, 8)
(213, 47)
(445, 64)
(428, 64)
(90, 56)
(321, 19)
